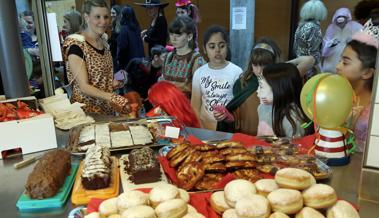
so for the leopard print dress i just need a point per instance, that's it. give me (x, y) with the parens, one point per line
(100, 75)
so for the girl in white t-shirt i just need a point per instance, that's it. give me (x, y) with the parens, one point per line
(212, 84)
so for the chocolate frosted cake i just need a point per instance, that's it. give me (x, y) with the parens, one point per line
(143, 166)
(96, 172)
(49, 174)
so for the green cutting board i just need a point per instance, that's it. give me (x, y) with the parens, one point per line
(26, 204)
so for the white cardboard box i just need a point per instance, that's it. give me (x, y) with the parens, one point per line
(31, 135)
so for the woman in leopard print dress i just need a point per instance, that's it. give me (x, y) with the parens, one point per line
(89, 63)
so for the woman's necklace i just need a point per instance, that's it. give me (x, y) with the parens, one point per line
(95, 42)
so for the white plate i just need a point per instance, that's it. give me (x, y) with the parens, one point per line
(129, 185)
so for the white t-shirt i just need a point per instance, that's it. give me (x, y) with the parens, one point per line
(212, 87)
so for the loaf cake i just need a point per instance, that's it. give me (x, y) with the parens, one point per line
(49, 174)
(96, 172)
(143, 166)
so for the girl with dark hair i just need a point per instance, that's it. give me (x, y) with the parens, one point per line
(167, 97)
(242, 109)
(281, 113)
(186, 7)
(116, 26)
(129, 42)
(181, 63)
(157, 33)
(212, 85)
(357, 64)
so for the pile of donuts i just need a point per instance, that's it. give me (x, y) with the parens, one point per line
(163, 201)
(293, 193)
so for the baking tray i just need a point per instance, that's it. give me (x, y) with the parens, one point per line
(326, 170)
(26, 204)
(74, 133)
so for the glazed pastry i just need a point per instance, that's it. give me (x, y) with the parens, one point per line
(190, 174)
(177, 149)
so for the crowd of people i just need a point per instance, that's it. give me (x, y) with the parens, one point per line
(210, 91)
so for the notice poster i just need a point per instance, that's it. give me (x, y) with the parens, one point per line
(239, 18)
(54, 37)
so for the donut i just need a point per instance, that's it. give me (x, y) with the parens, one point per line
(255, 206)
(265, 186)
(108, 207)
(308, 212)
(230, 213)
(342, 209)
(174, 208)
(319, 196)
(278, 215)
(294, 178)
(162, 192)
(287, 201)
(130, 199)
(238, 189)
(218, 202)
(140, 211)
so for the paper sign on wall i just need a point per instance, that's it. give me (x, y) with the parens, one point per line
(239, 18)
(54, 37)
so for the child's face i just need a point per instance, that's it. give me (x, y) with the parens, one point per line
(351, 67)
(216, 49)
(257, 69)
(180, 40)
(181, 12)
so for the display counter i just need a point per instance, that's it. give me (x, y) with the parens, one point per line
(345, 179)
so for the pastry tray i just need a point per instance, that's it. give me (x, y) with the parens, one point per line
(129, 185)
(26, 204)
(81, 196)
(157, 141)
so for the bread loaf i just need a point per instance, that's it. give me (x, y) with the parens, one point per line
(49, 174)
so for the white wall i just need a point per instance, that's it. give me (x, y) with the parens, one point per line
(373, 145)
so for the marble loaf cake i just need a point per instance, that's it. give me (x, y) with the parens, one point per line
(49, 174)
(96, 172)
(143, 166)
